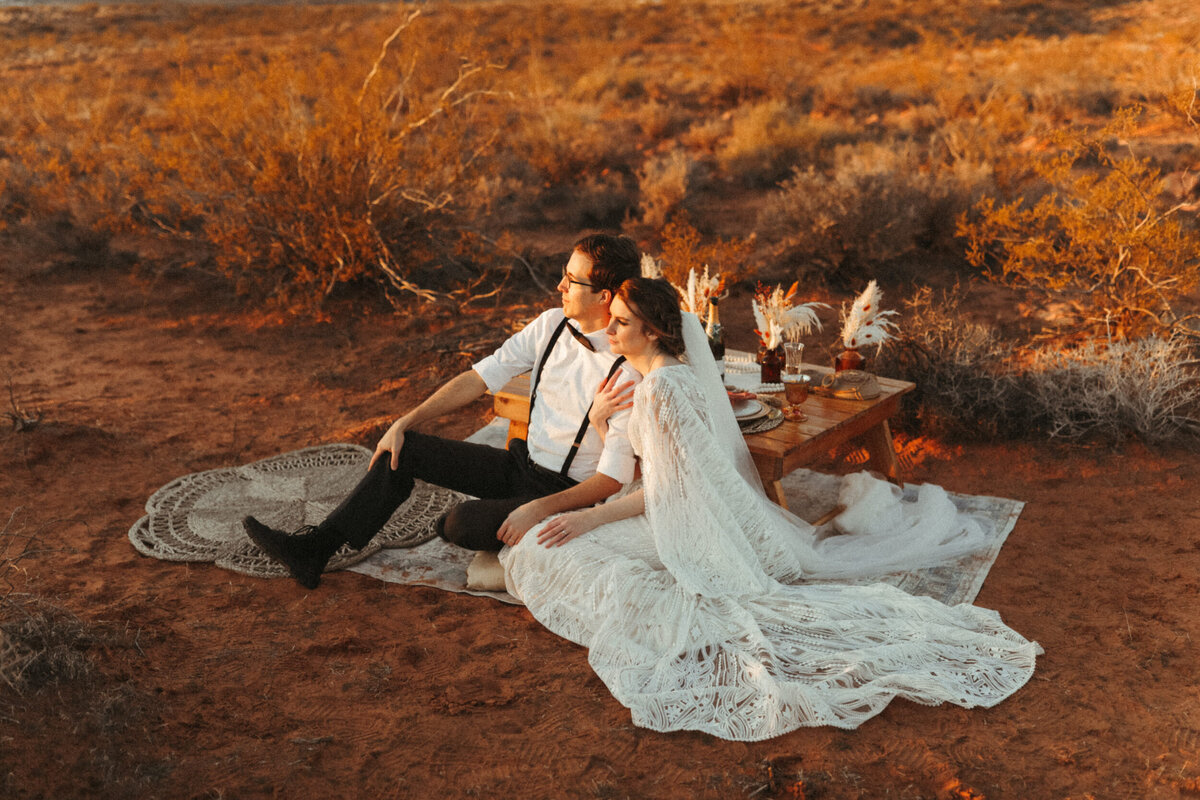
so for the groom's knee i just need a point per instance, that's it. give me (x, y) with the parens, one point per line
(472, 525)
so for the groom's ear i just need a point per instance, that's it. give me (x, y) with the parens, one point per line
(607, 296)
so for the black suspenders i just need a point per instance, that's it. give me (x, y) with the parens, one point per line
(537, 377)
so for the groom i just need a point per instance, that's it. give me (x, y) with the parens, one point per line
(563, 465)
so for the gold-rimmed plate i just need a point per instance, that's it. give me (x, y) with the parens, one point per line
(750, 410)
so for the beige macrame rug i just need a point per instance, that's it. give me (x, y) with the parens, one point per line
(198, 518)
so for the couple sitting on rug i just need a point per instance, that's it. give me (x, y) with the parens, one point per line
(691, 590)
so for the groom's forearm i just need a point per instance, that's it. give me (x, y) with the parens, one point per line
(586, 493)
(581, 495)
(453, 395)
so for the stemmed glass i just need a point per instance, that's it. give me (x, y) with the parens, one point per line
(795, 381)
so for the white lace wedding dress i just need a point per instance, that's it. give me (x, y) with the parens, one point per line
(696, 616)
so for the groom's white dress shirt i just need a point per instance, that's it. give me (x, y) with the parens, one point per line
(569, 381)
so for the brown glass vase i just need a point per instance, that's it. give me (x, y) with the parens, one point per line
(849, 358)
(770, 362)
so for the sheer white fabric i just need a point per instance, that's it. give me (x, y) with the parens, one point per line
(695, 614)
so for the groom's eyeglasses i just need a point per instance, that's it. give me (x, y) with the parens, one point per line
(571, 280)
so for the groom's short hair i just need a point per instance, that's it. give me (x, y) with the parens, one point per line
(615, 259)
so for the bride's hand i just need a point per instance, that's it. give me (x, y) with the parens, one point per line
(611, 397)
(565, 527)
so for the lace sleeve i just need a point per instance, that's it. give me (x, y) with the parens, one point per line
(712, 529)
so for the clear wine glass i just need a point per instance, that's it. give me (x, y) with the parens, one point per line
(795, 381)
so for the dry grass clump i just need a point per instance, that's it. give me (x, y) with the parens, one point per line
(876, 203)
(40, 643)
(973, 383)
(59, 677)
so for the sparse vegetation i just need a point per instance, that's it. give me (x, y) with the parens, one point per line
(974, 383)
(112, 113)
(419, 154)
(1094, 229)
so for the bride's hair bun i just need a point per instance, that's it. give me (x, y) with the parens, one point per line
(656, 303)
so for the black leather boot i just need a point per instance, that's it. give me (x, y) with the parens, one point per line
(305, 552)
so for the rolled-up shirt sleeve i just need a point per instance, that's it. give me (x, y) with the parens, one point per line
(617, 459)
(516, 356)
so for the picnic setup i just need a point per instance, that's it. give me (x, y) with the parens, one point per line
(840, 408)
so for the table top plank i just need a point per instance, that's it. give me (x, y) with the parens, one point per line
(831, 420)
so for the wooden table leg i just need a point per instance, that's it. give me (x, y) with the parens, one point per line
(774, 490)
(883, 451)
(516, 430)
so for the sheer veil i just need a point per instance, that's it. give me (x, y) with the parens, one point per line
(699, 357)
(889, 533)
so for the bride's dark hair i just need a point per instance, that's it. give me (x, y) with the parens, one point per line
(656, 304)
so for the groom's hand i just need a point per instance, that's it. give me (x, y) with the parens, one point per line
(390, 442)
(519, 521)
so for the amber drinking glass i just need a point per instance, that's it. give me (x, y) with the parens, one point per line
(795, 381)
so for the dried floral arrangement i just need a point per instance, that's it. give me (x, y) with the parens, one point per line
(866, 323)
(778, 318)
(695, 294)
(650, 266)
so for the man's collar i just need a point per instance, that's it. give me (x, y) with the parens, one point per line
(581, 337)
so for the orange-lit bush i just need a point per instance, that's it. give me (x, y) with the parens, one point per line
(1101, 237)
(684, 249)
(303, 174)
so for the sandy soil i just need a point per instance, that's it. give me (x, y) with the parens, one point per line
(211, 684)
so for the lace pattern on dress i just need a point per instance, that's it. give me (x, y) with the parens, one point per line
(694, 620)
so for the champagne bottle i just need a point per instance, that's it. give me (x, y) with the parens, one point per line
(716, 336)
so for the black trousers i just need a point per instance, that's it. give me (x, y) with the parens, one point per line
(502, 479)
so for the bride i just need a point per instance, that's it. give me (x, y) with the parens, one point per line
(692, 590)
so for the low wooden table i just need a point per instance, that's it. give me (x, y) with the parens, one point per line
(831, 423)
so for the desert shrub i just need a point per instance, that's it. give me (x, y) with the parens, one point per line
(1102, 237)
(594, 200)
(875, 204)
(57, 158)
(1148, 387)
(766, 140)
(663, 186)
(964, 372)
(972, 383)
(684, 249)
(563, 141)
(301, 174)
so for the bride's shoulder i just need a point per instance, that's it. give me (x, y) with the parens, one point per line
(668, 379)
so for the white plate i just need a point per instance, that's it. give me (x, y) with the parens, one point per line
(748, 409)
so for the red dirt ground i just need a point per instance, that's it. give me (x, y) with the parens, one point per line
(211, 684)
